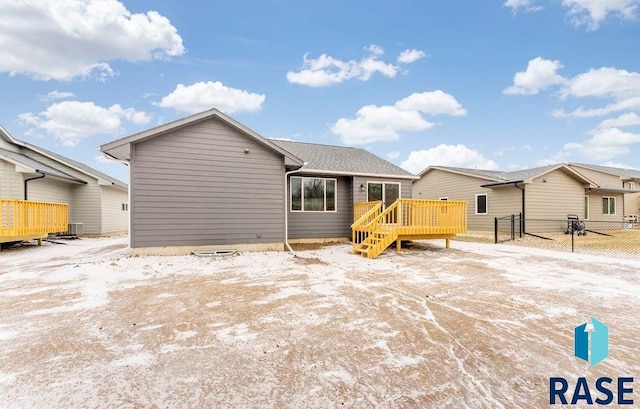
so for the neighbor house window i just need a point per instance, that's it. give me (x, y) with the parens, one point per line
(586, 207)
(313, 194)
(608, 205)
(481, 204)
(631, 185)
(125, 207)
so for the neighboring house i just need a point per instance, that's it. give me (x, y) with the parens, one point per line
(618, 180)
(544, 193)
(96, 200)
(208, 181)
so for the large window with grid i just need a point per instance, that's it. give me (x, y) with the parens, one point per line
(311, 194)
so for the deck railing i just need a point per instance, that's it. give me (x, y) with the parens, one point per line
(24, 219)
(363, 214)
(406, 219)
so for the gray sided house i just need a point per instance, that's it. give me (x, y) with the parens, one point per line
(28, 172)
(208, 181)
(619, 181)
(548, 192)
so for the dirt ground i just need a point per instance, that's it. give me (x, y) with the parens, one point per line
(84, 325)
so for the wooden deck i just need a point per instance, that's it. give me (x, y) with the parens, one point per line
(373, 230)
(28, 220)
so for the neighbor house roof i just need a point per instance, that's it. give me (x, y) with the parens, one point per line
(80, 167)
(497, 178)
(121, 148)
(34, 166)
(342, 160)
(621, 172)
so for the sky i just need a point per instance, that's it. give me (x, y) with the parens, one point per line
(500, 85)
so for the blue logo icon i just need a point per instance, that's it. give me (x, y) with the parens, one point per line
(599, 350)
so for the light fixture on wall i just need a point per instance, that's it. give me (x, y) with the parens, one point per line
(362, 187)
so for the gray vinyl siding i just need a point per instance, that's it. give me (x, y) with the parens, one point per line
(360, 196)
(501, 201)
(10, 181)
(114, 219)
(197, 186)
(86, 208)
(324, 224)
(554, 195)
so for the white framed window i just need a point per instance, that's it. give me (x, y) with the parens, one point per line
(482, 204)
(444, 198)
(125, 207)
(608, 205)
(586, 207)
(310, 194)
(631, 185)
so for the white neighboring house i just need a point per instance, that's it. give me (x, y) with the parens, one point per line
(96, 200)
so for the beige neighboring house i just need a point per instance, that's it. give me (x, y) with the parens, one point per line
(544, 193)
(619, 180)
(96, 200)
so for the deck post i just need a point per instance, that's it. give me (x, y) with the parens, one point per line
(446, 243)
(398, 244)
(39, 242)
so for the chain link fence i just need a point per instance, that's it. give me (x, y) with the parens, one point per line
(607, 238)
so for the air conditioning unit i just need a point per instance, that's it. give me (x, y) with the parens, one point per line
(75, 229)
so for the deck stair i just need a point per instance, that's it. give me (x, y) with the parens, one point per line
(374, 230)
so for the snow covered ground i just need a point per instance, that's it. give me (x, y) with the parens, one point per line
(84, 325)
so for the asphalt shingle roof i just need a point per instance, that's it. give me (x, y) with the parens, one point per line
(632, 173)
(34, 164)
(504, 177)
(341, 159)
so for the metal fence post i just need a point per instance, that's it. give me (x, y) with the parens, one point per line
(572, 237)
(495, 230)
(513, 227)
(520, 224)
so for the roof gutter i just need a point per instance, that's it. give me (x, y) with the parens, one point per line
(42, 175)
(286, 208)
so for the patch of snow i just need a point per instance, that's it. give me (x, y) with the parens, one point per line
(141, 359)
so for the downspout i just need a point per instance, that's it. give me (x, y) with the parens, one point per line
(523, 214)
(286, 208)
(30, 179)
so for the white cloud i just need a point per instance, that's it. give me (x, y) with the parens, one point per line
(522, 5)
(447, 155)
(433, 103)
(393, 155)
(52, 40)
(539, 75)
(55, 94)
(206, 95)
(592, 12)
(72, 121)
(627, 104)
(385, 123)
(326, 70)
(604, 144)
(410, 56)
(624, 120)
(604, 82)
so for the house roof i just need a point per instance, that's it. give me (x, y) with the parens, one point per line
(121, 148)
(497, 178)
(80, 167)
(621, 172)
(342, 160)
(36, 167)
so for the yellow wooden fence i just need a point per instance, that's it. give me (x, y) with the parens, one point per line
(27, 220)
